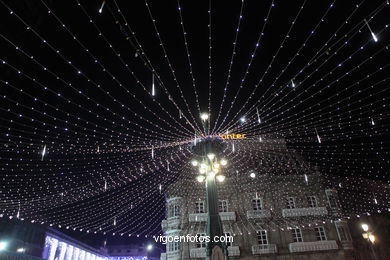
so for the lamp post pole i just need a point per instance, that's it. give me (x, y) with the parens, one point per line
(214, 223)
(209, 169)
(370, 237)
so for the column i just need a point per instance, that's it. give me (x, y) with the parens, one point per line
(46, 249)
(76, 253)
(53, 248)
(62, 246)
(69, 253)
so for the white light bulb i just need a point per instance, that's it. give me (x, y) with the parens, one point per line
(220, 178)
(204, 116)
(153, 89)
(194, 163)
(374, 37)
(365, 227)
(101, 7)
(252, 175)
(211, 156)
(223, 162)
(200, 178)
(372, 238)
(3, 245)
(211, 174)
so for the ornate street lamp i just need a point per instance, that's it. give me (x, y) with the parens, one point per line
(370, 237)
(209, 165)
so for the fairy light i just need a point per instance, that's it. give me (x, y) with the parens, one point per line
(153, 88)
(90, 147)
(43, 152)
(318, 136)
(101, 7)
(372, 33)
(313, 60)
(240, 17)
(361, 63)
(292, 84)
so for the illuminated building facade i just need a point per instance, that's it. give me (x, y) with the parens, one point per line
(282, 209)
(31, 242)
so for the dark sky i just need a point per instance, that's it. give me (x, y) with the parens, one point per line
(77, 83)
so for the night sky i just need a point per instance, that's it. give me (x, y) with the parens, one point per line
(88, 144)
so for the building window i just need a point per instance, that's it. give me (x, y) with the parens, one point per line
(199, 207)
(257, 204)
(332, 198)
(262, 238)
(312, 201)
(173, 246)
(290, 203)
(227, 235)
(296, 235)
(173, 210)
(320, 233)
(342, 231)
(223, 206)
(200, 240)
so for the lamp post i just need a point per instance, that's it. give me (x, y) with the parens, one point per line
(151, 247)
(370, 237)
(209, 169)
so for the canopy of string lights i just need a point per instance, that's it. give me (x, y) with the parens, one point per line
(101, 101)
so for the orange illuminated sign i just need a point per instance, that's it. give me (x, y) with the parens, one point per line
(233, 136)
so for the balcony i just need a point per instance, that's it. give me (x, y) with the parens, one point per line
(264, 249)
(228, 216)
(262, 213)
(171, 223)
(198, 252)
(313, 246)
(197, 217)
(234, 251)
(347, 245)
(300, 212)
(173, 255)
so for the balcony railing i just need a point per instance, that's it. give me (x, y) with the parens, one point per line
(313, 246)
(264, 249)
(234, 251)
(262, 213)
(171, 223)
(347, 245)
(173, 255)
(198, 252)
(299, 212)
(197, 217)
(228, 216)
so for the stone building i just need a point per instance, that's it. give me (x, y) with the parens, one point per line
(283, 210)
(26, 241)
